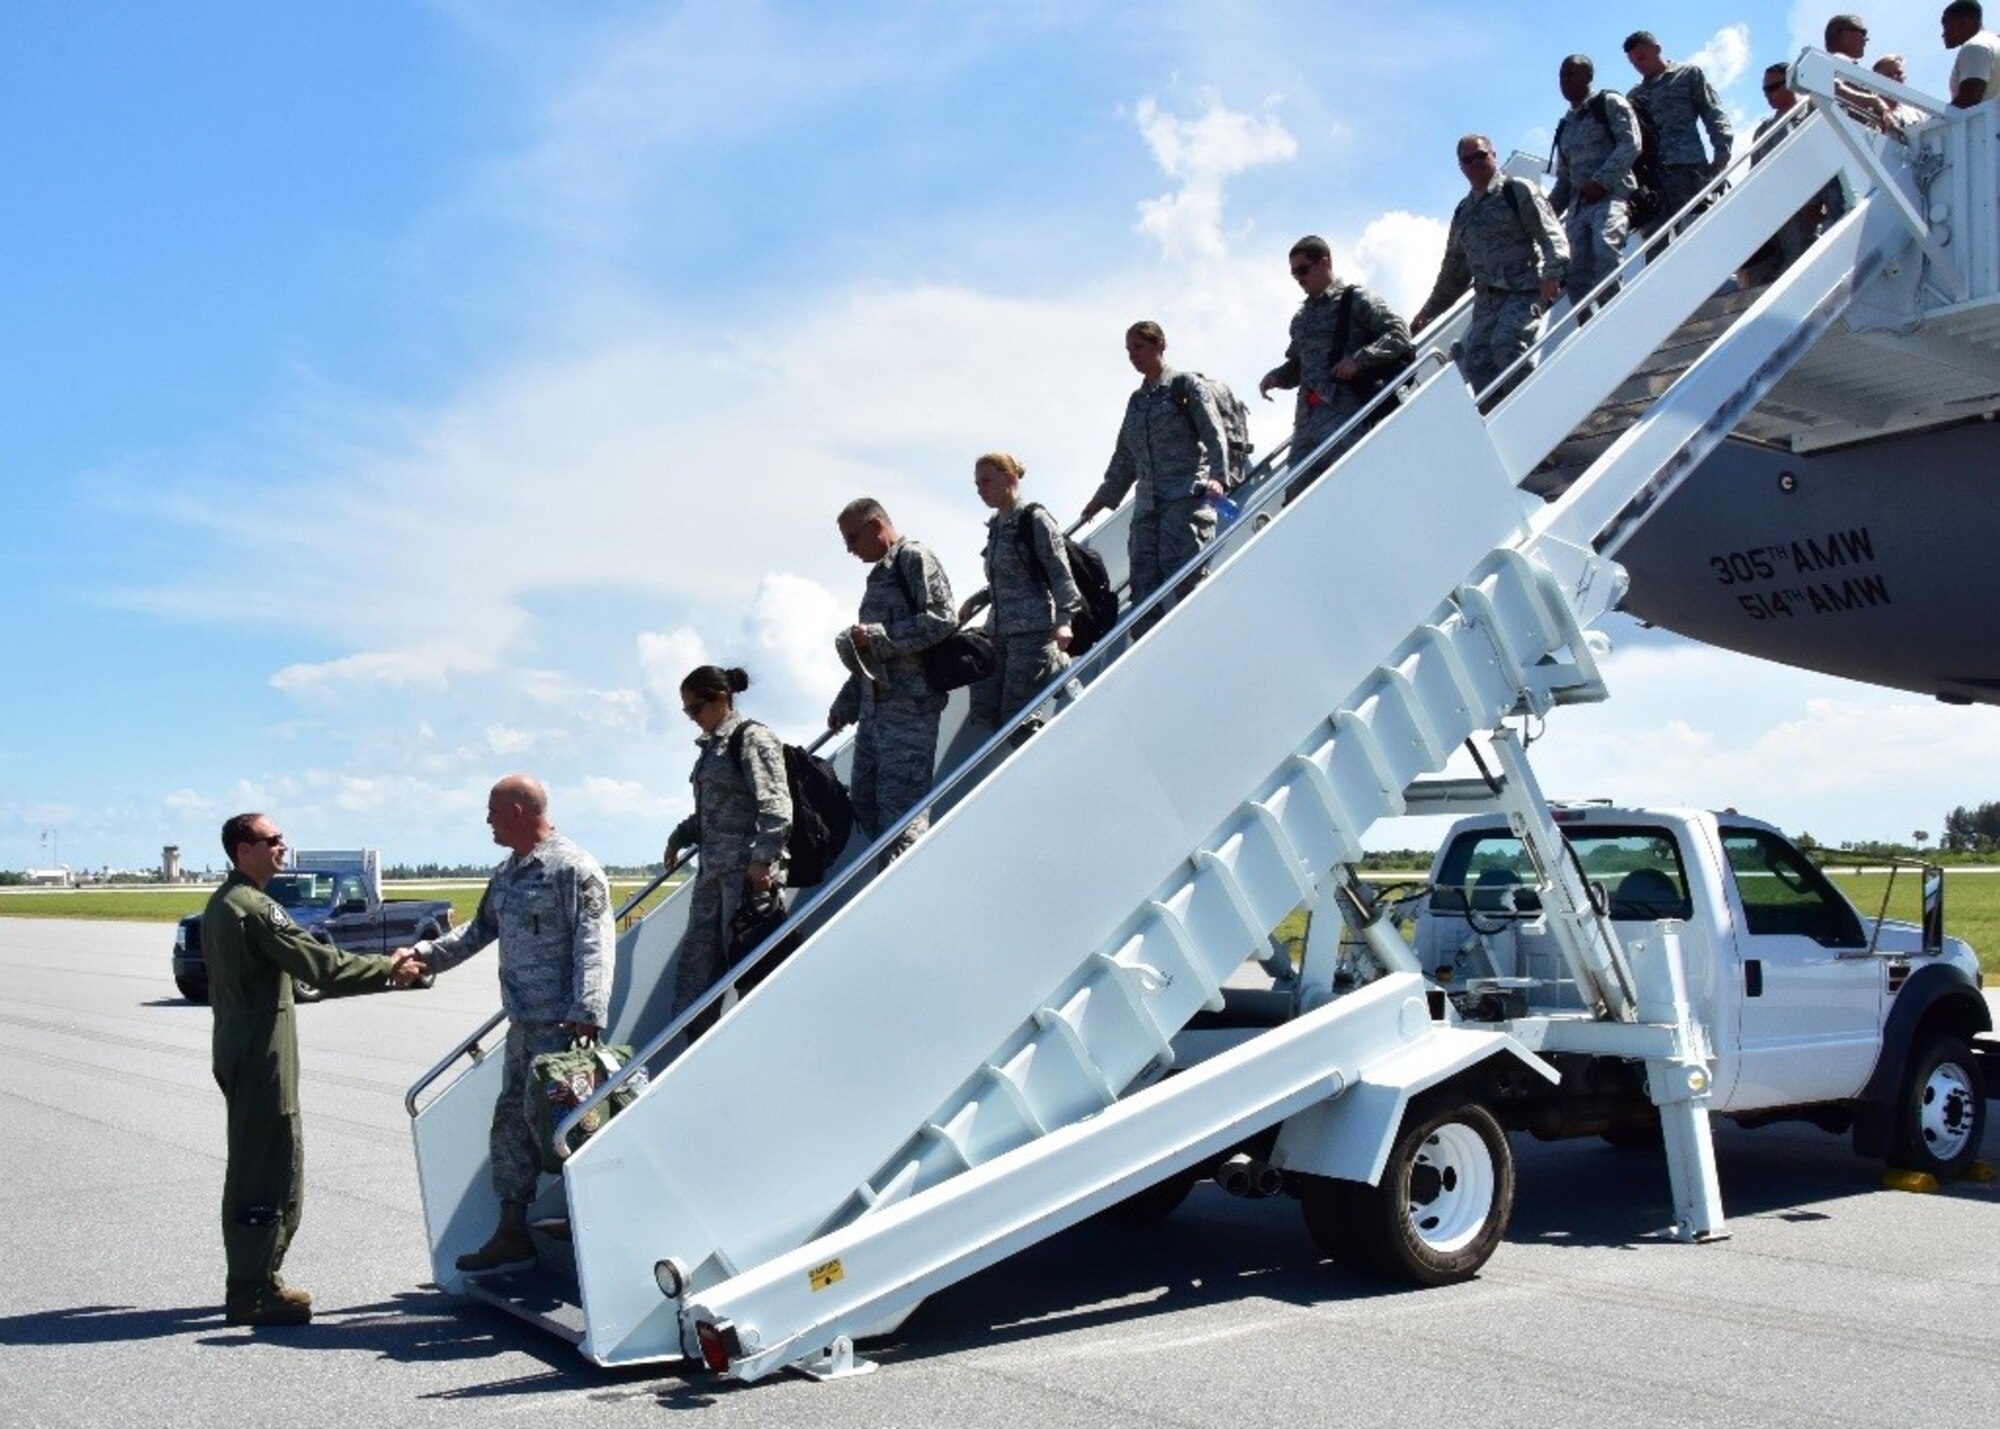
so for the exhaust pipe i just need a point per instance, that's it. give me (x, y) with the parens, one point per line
(1243, 1175)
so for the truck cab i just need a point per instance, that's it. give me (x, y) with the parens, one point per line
(337, 899)
(1811, 1009)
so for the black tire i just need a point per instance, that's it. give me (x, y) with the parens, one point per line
(194, 989)
(1443, 1204)
(1941, 1118)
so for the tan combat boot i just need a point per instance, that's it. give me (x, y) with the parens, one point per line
(508, 1248)
(270, 1305)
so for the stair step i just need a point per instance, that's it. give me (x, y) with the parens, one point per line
(544, 1297)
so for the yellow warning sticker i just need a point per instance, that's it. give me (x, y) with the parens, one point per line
(821, 1276)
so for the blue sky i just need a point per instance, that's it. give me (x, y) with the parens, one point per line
(400, 394)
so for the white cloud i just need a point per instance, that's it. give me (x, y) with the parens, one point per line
(502, 740)
(1398, 255)
(665, 657)
(1202, 154)
(1806, 751)
(395, 669)
(788, 642)
(1726, 56)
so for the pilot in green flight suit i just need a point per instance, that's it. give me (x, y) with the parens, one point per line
(254, 950)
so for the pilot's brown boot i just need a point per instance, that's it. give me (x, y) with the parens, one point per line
(270, 1305)
(509, 1247)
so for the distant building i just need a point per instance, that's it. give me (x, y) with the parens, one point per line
(51, 878)
(170, 864)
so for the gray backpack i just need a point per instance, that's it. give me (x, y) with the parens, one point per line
(1235, 424)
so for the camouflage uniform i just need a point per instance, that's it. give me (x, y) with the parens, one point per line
(254, 950)
(742, 814)
(551, 911)
(895, 741)
(1502, 248)
(1376, 338)
(1026, 609)
(1590, 149)
(1170, 454)
(1677, 100)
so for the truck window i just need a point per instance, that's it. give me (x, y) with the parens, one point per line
(1784, 893)
(1641, 870)
(302, 890)
(350, 889)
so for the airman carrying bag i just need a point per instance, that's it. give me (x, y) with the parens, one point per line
(559, 1082)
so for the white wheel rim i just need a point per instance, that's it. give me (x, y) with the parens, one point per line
(1452, 1182)
(1945, 1117)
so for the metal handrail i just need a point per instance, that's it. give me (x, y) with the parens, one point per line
(470, 1044)
(1263, 483)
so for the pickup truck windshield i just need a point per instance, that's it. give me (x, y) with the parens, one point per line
(1489, 871)
(302, 890)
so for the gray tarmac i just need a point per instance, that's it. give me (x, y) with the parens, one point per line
(1835, 1302)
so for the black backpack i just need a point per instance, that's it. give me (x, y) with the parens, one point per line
(1372, 380)
(822, 817)
(1093, 582)
(962, 658)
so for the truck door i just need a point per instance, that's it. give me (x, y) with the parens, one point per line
(357, 932)
(1811, 996)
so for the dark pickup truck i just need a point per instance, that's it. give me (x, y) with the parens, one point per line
(335, 906)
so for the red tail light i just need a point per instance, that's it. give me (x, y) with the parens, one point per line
(719, 1344)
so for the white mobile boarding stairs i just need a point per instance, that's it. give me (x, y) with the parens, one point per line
(936, 1077)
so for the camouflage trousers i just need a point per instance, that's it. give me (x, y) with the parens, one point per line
(1028, 660)
(1504, 325)
(895, 751)
(517, 1161)
(1596, 233)
(1164, 537)
(704, 951)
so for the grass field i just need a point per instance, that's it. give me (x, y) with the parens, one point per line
(1972, 904)
(170, 905)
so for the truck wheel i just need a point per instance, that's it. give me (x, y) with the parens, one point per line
(1444, 1202)
(194, 989)
(1942, 1118)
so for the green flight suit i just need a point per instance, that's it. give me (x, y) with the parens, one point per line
(254, 950)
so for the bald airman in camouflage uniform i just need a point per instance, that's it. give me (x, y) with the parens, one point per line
(254, 950)
(742, 816)
(1678, 101)
(1597, 143)
(1507, 247)
(906, 607)
(549, 907)
(1031, 589)
(1171, 448)
(1346, 341)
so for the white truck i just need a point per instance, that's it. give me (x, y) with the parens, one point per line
(1789, 1004)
